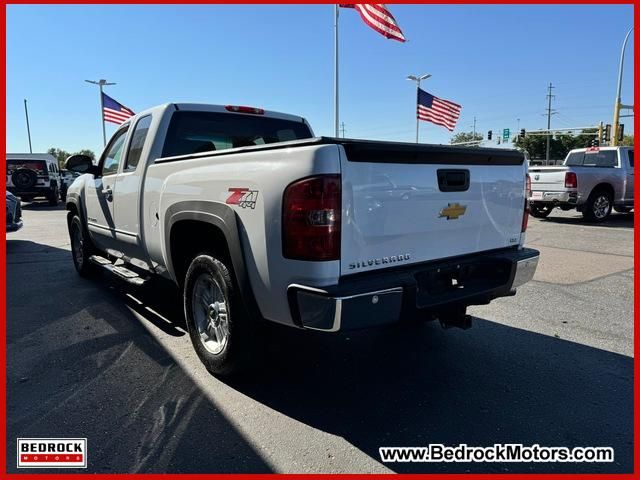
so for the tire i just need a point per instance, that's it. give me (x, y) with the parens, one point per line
(623, 209)
(24, 178)
(219, 327)
(81, 248)
(53, 196)
(540, 212)
(598, 206)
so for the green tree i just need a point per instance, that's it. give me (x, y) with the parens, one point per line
(627, 141)
(559, 147)
(463, 137)
(62, 155)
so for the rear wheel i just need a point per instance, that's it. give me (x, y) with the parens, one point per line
(218, 325)
(81, 247)
(53, 196)
(540, 212)
(598, 206)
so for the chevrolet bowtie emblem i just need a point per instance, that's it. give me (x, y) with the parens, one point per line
(453, 211)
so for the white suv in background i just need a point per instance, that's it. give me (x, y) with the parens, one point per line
(31, 175)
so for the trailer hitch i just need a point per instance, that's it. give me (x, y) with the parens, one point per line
(455, 318)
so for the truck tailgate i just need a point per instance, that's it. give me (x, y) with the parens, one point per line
(406, 203)
(547, 178)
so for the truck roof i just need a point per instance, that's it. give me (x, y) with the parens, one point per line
(204, 107)
(598, 148)
(31, 156)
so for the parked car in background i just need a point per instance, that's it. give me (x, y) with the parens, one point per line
(255, 219)
(591, 180)
(67, 178)
(33, 175)
(14, 213)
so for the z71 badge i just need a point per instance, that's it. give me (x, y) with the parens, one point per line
(243, 197)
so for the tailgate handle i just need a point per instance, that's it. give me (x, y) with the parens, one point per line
(453, 180)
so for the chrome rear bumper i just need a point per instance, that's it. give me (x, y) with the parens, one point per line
(356, 304)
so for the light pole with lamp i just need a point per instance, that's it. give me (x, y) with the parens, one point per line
(618, 105)
(418, 79)
(101, 83)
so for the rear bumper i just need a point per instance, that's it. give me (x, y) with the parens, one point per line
(379, 298)
(31, 192)
(14, 226)
(544, 197)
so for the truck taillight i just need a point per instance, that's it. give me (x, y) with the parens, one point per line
(525, 214)
(570, 180)
(311, 211)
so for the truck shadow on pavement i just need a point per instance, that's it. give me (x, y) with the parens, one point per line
(81, 364)
(418, 385)
(615, 220)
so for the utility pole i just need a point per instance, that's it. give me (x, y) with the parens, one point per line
(26, 115)
(618, 105)
(549, 113)
(474, 127)
(342, 129)
(336, 91)
(418, 79)
(101, 83)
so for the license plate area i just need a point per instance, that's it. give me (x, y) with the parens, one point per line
(456, 281)
(536, 195)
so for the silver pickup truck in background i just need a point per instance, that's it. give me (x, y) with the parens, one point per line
(591, 180)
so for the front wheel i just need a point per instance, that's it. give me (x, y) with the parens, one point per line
(218, 325)
(540, 212)
(81, 247)
(598, 206)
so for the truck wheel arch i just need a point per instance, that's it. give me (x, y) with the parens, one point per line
(207, 225)
(604, 186)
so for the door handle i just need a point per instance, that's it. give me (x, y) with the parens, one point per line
(107, 192)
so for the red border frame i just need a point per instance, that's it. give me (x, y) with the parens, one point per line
(3, 268)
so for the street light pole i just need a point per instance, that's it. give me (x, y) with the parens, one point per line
(617, 105)
(418, 79)
(26, 114)
(101, 83)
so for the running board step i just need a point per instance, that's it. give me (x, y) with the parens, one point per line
(124, 273)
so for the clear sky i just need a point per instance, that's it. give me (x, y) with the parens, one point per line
(495, 60)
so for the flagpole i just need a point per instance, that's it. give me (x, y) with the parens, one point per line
(335, 73)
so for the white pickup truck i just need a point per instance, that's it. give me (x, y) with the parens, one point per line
(591, 180)
(255, 219)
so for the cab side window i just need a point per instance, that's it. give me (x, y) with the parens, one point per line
(137, 143)
(113, 156)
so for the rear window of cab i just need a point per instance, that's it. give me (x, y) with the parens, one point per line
(197, 132)
(597, 158)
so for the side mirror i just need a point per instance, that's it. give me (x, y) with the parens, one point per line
(79, 164)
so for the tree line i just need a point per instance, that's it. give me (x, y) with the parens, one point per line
(62, 155)
(536, 145)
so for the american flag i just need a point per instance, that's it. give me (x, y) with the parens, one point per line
(378, 17)
(438, 111)
(113, 111)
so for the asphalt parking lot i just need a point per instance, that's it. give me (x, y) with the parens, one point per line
(551, 366)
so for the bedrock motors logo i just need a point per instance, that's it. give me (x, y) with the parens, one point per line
(52, 453)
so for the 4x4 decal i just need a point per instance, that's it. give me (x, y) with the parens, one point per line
(243, 197)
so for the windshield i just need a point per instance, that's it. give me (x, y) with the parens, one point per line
(196, 132)
(38, 166)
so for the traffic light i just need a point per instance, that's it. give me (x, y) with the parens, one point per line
(607, 133)
(620, 131)
(522, 133)
(489, 134)
(595, 142)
